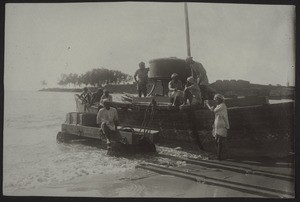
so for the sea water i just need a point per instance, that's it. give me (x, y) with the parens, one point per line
(31, 156)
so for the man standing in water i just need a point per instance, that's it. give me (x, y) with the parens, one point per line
(107, 119)
(199, 74)
(142, 74)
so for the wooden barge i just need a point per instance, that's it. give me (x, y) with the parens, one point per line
(257, 128)
(79, 126)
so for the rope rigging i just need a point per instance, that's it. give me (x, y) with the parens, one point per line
(145, 127)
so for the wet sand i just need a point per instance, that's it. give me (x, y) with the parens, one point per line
(137, 182)
(134, 183)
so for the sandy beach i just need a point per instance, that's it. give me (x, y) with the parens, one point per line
(137, 182)
(134, 183)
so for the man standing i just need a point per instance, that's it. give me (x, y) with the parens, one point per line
(199, 74)
(142, 79)
(107, 119)
(221, 123)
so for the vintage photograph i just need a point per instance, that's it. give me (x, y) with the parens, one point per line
(149, 99)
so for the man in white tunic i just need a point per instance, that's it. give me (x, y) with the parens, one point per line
(221, 123)
(107, 118)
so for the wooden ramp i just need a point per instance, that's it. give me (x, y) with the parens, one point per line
(257, 180)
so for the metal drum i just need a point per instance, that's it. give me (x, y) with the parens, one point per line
(163, 68)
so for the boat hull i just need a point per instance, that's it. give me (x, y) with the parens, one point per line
(80, 126)
(260, 130)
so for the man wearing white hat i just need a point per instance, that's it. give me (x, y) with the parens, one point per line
(107, 119)
(221, 123)
(175, 89)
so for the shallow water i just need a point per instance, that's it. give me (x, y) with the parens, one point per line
(31, 156)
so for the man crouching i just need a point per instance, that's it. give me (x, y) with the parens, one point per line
(107, 119)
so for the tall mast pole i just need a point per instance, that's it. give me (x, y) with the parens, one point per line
(187, 29)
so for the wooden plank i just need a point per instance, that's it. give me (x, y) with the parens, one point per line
(279, 116)
(216, 181)
(163, 103)
(243, 187)
(73, 117)
(85, 131)
(246, 101)
(132, 138)
(158, 99)
(235, 168)
(88, 119)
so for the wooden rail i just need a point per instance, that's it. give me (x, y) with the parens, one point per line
(235, 168)
(261, 191)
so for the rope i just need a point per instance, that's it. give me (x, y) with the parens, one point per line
(151, 115)
(147, 128)
(144, 120)
(145, 124)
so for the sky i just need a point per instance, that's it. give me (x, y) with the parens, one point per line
(233, 41)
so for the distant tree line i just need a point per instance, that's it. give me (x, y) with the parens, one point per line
(95, 77)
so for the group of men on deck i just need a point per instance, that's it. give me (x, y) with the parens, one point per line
(195, 90)
(107, 117)
(193, 93)
(99, 96)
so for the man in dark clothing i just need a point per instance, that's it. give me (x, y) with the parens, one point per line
(85, 96)
(97, 96)
(142, 79)
(199, 74)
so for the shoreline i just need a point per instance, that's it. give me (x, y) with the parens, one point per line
(140, 182)
(225, 87)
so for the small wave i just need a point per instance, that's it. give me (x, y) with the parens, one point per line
(68, 163)
(33, 159)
